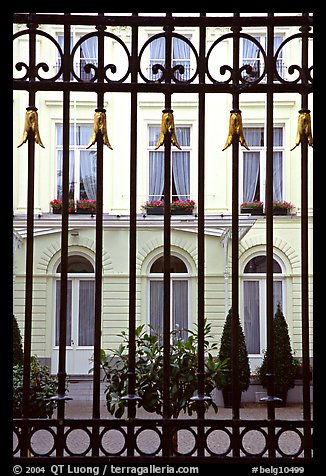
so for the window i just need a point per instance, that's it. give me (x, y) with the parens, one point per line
(180, 180)
(180, 56)
(82, 163)
(252, 56)
(179, 295)
(254, 164)
(85, 54)
(254, 301)
(80, 303)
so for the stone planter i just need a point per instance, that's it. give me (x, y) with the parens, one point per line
(180, 211)
(86, 211)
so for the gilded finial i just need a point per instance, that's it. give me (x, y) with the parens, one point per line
(167, 127)
(99, 126)
(235, 128)
(304, 128)
(31, 124)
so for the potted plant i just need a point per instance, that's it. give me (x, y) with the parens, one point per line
(56, 206)
(18, 356)
(86, 206)
(42, 387)
(225, 353)
(149, 372)
(177, 207)
(281, 207)
(252, 208)
(285, 364)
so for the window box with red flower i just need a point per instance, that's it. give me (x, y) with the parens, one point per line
(252, 208)
(281, 207)
(56, 206)
(86, 206)
(177, 207)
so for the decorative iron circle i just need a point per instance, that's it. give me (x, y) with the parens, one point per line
(144, 453)
(293, 67)
(258, 430)
(178, 68)
(297, 432)
(47, 430)
(18, 435)
(124, 446)
(81, 453)
(33, 70)
(223, 430)
(193, 449)
(90, 66)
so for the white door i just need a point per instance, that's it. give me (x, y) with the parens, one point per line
(80, 326)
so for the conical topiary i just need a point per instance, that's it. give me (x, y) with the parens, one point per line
(17, 343)
(284, 362)
(225, 352)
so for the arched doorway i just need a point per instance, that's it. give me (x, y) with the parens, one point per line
(80, 316)
(179, 295)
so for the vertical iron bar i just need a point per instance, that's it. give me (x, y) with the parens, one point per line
(64, 247)
(235, 247)
(167, 249)
(304, 252)
(132, 245)
(29, 249)
(235, 235)
(98, 236)
(269, 226)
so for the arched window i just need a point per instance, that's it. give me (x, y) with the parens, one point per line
(80, 314)
(179, 295)
(254, 301)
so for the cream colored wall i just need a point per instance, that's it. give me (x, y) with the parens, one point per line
(218, 180)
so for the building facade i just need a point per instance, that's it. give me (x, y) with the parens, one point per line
(150, 180)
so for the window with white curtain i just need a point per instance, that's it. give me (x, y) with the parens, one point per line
(180, 56)
(252, 56)
(179, 303)
(254, 301)
(85, 54)
(180, 180)
(254, 164)
(82, 163)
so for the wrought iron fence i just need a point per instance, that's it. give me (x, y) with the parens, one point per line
(167, 79)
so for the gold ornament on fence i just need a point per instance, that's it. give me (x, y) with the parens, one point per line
(304, 129)
(167, 127)
(235, 129)
(31, 124)
(99, 126)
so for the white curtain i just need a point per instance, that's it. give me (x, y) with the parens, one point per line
(57, 313)
(181, 164)
(250, 52)
(277, 164)
(60, 172)
(251, 165)
(180, 306)
(252, 316)
(87, 165)
(156, 175)
(88, 55)
(156, 306)
(86, 313)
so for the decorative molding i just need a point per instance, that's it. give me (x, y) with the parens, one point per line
(55, 246)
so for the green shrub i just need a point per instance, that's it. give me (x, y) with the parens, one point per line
(42, 385)
(225, 354)
(149, 372)
(285, 365)
(17, 343)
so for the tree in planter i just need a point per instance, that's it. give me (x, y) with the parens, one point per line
(225, 354)
(285, 364)
(149, 373)
(17, 343)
